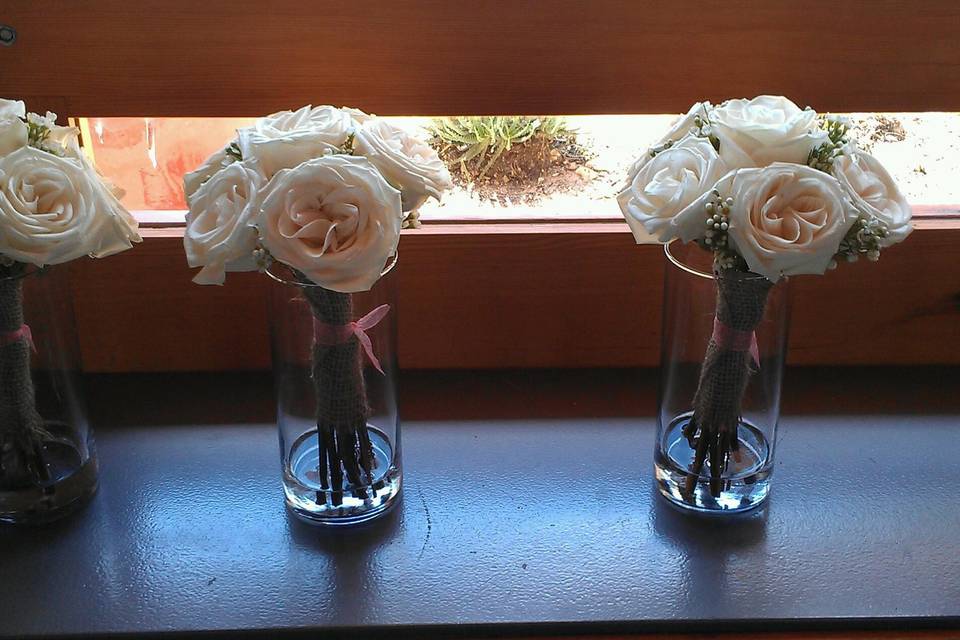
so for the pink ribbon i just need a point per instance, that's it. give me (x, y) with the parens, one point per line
(23, 333)
(333, 334)
(731, 339)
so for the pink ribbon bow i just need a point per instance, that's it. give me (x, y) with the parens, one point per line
(733, 340)
(333, 334)
(23, 333)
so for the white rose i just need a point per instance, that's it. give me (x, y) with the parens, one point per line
(53, 210)
(682, 127)
(684, 124)
(109, 196)
(333, 218)
(407, 162)
(656, 203)
(218, 160)
(786, 219)
(13, 131)
(874, 193)
(65, 142)
(12, 108)
(220, 234)
(767, 129)
(359, 117)
(285, 139)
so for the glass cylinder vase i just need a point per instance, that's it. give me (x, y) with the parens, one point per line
(48, 464)
(335, 370)
(721, 373)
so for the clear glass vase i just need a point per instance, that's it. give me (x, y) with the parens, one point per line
(48, 464)
(335, 369)
(715, 447)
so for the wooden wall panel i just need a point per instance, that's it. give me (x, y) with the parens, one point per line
(426, 57)
(139, 311)
(562, 295)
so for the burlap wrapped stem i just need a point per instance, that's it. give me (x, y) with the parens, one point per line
(713, 430)
(342, 406)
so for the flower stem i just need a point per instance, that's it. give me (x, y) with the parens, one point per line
(713, 431)
(21, 427)
(344, 446)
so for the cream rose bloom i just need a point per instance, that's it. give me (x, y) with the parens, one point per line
(767, 129)
(408, 163)
(13, 131)
(656, 202)
(217, 161)
(359, 117)
(335, 219)
(220, 234)
(680, 129)
(786, 219)
(53, 210)
(12, 108)
(285, 139)
(684, 124)
(65, 142)
(874, 193)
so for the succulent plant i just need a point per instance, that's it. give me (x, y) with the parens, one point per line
(487, 137)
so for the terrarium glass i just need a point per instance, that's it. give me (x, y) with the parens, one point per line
(689, 308)
(334, 361)
(48, 465)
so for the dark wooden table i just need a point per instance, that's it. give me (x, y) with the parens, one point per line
(529, 510)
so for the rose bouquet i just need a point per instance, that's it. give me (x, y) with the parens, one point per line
(771, 190)
(54, 208)
(321, 193)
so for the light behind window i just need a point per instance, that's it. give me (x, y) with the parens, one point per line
(148, 157)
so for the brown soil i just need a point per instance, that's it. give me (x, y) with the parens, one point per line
(538, 167)
(874, 129)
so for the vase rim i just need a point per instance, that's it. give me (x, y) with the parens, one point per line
(31, 270)
(391, 263)
(678, 263)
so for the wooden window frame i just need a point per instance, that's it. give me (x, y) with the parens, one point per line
(519, 294)
(437, 57)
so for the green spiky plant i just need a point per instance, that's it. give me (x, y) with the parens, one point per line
(487, 138)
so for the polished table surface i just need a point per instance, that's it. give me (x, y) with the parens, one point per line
(529, 509)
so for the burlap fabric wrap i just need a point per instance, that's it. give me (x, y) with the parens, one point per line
(21, 427)
(712, 432)
(342, 406)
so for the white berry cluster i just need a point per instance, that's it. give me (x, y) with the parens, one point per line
(716, 238)
(865, 238)
(822, 157)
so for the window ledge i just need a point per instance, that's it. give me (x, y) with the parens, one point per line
(925, 216)
(524, 518)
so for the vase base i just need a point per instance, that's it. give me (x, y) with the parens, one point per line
(744, 485)
(39, 505)
(313, 504)
(351, 510)
(701, 500)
